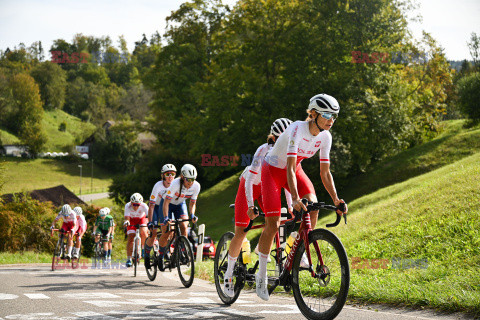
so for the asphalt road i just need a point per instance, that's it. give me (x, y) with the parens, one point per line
(35, 292)
(93, 196)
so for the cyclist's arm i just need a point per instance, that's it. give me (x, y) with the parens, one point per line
(329, 184)
(292, 178)
(166, 203)
(94, 228)
(192, 207)
(151, 206)
(288, 196)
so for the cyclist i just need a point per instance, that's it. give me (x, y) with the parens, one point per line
(103, 227)
(168, 174)
(249, 191)
(82, 227)
(173, 205)
(112, 234)
(282, 168)
(135, 213)
(69, 226)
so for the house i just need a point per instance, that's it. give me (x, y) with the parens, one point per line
(13, 150)
(58, 196)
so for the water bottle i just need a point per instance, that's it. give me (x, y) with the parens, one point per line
(290, 241)
(246, 251)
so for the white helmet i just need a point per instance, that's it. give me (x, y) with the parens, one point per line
(66, 209)
(78, 211)
(168, 167)
(103, 212)
(279, 126)
(107, 209)
(136, 198)
(324, 103)
(189, 171)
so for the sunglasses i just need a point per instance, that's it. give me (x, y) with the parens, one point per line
(328, 115)
(170, 174)
(135, 204)
(189, 179)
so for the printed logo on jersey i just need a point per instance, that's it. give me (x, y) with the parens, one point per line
(292, 142)
(317, 144)
(169, 192)
(152, 197)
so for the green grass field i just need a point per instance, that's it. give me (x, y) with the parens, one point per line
(57, 141)
(25, 174)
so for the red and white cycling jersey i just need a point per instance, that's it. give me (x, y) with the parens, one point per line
(253, 175)
(176, 198)
(142, 210)
(158, 191)
(82, 223)
(297, 141)
(71, 218)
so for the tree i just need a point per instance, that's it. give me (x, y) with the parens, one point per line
(474, 47)
(469, 96)
(52, 81)
(27, 112)
(118, 148)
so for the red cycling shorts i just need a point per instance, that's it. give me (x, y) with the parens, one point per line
(241, 206)
(273, 180)
(134, 221)
(67, 226)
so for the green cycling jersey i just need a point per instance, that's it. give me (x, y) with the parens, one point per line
(104, 224)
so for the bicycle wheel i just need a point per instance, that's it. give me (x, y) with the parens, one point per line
(57, 253)
(321, 297)
(152, 272)
(135, 257)
(184, 261)
(75, 261)
(97, 255)
(220, 264)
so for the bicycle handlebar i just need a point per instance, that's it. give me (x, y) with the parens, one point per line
(311, 206)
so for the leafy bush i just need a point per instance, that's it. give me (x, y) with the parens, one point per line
(469, 96)
(62, 127)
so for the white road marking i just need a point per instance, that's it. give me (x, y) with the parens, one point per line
(203, 294)
(273, 308)
(88, 295)
(191, 300)
(92, 315)
(38, 316)
(7, 296)
(35, 296)
(111, 303)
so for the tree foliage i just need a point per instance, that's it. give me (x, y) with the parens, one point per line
(52, 81)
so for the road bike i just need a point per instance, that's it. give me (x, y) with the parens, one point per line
(99, 253)
(320, 290)
(179, 255)
(60, 251)
(137, 249)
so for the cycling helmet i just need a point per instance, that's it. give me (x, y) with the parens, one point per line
(103, 212)
(279, 126)
(66, 209)
(78, 211)
(324, 103)
(136, 198)
(189, 171)
(168, 167)
(107, 209)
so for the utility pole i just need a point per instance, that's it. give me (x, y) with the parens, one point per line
(80, 166)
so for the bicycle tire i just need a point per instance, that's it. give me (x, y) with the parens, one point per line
(152, 273)
(329, 289)
(185, 261)
(75, 261)
(135, 257)
(57, 253)
(220, 266)
(97, 255)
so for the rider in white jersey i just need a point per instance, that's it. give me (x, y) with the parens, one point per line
(283, 169)
(135, 213)
(173, 205)
(249, 190)
(154, 209)
(82, 227)
(69, 226)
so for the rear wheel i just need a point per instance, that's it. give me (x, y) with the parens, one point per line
(97, 257)
(220, 264)
(184, 261)
(76, 260)
(323, 296)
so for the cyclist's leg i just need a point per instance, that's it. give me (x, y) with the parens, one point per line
(306, 190)
(180, 212)
(151, 239)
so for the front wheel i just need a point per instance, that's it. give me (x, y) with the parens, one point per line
(136, 257)
(57, 253)
(220, 264)
(321, 297)
(184, 261)
(152, 272)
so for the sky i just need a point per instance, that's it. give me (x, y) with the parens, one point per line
(449, 22)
